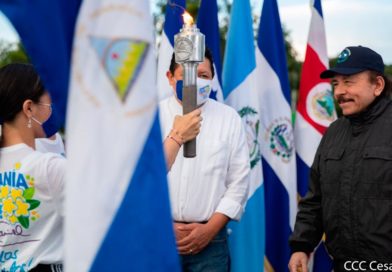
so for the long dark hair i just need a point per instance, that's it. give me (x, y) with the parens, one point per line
(18, 82)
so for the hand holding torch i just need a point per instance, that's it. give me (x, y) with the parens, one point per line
(189, 47)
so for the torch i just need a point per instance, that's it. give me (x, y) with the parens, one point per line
(189, 52)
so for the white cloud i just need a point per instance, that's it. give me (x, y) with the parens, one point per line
(350, 22)
(359, 23)
(296, 19)
(7, 31)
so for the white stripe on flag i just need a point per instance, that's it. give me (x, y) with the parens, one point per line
(317, 38)
(245, 95)
(103, 146)
(275, 107)
(310, 139)
(217, 87)
(165, 54)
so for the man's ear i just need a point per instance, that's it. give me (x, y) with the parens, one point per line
(170, 77)
(27, 108)
(380, 85)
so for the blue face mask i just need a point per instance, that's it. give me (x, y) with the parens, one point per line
(51, 126)
(179, 86)
(203, 90)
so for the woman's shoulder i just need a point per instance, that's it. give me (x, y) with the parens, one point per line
(42, 162)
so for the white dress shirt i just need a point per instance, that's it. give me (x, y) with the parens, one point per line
(217, 179)
(45, 145)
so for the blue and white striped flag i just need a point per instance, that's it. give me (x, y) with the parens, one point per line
(118, 214)
(207, 22)
(46, 29)
(247, 238)
(277, 144)
(172, 25)
(315, 112)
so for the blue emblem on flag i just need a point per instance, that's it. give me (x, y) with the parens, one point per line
(250, 115)
(122, 60)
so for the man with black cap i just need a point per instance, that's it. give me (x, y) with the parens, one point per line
(350, 190)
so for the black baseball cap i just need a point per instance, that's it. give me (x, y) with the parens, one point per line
(355, 59)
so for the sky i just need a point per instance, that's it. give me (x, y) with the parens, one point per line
(347, 23)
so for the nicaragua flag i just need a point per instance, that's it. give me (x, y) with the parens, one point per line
(277, 146)
(247, 237)
(315, 111)
(118, 214)
(207, 22)
(46, 29)
(173, 24)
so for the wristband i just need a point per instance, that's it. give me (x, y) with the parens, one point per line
(175, 131)
(177, 142)
(176, 137)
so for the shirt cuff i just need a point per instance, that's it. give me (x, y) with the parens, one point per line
(300, 247)
(230, 208)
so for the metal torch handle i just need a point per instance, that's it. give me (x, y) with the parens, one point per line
(189, 103)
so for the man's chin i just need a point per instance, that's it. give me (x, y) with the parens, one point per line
(350, 112)
(347, 112)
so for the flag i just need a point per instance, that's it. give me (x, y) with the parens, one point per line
(118, 214)
(277, 146)
(173, 24)
(47, 29)
(207, 22)
(247, 237)
(315, 111)
(117, 209)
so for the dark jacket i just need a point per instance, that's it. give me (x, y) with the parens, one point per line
(350, 190)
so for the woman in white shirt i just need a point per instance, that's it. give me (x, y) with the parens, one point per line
(31, 183)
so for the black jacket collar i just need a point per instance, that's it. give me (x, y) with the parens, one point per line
(362, 120)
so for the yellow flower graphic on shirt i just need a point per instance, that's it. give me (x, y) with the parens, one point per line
(16, 198)
(8, 206)
(15, 193)
(3, 192)
(13, 219)
(21, 208)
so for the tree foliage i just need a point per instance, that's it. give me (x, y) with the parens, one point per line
(12, 52)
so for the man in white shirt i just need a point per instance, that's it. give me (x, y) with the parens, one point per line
(53, 144)
(209, 190)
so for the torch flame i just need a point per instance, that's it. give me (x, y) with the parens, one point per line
(188, 20)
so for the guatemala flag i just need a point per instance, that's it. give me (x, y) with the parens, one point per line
(207, 22)
(277, 146)
(247, 238)
(173, 24)
(118, 214)
(315, 111)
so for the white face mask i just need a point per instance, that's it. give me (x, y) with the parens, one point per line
(203, 90)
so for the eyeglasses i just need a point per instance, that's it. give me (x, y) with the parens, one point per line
(46, 104)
